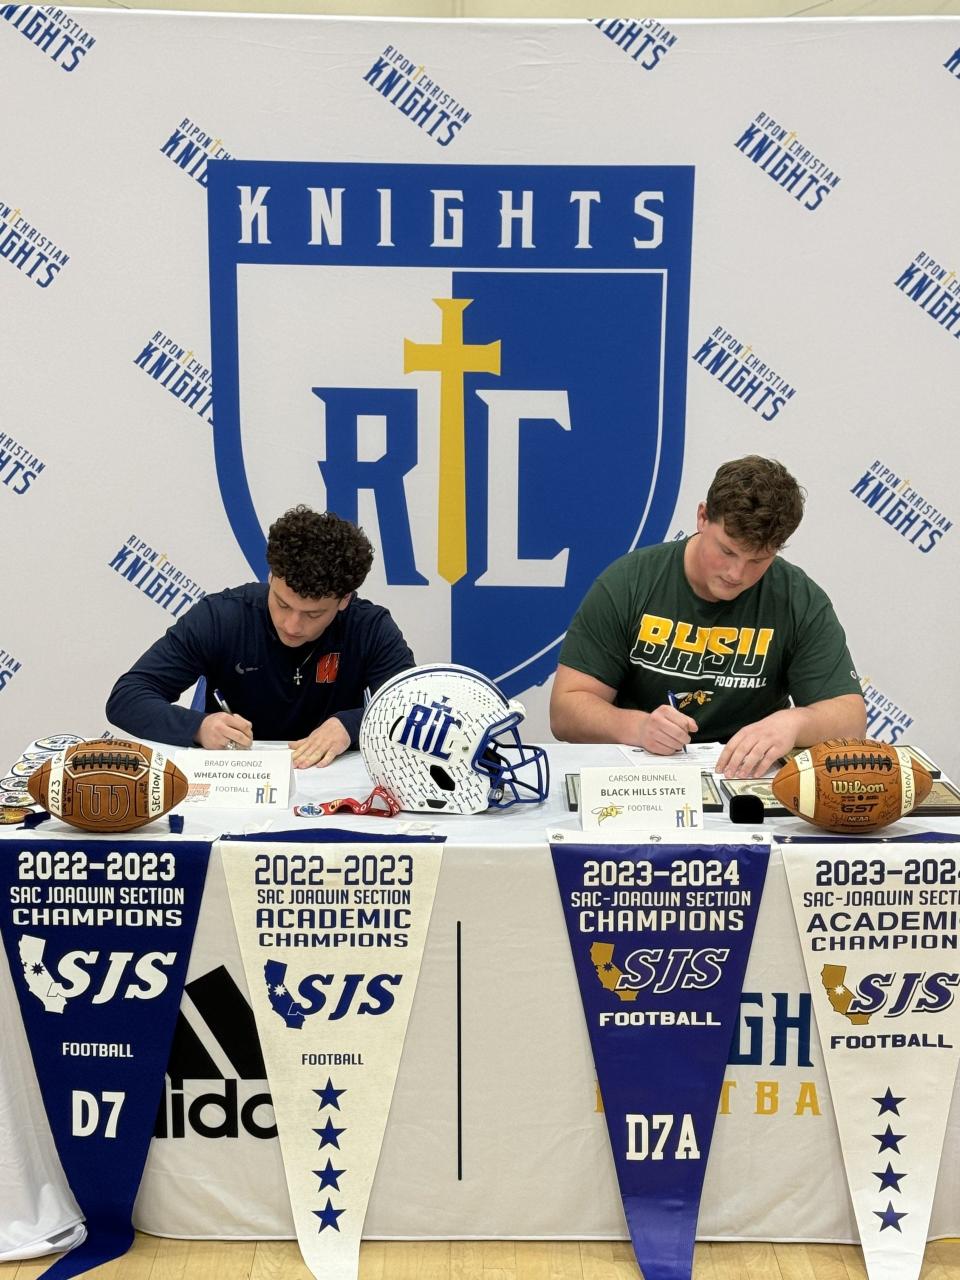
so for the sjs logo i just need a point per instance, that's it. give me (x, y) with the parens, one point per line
(100, 975)
(330, 994)
(900, 993)
(680, 967)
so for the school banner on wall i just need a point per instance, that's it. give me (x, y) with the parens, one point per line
(331, 932)
(877, 926)
(506, 292)
(98, 936)
(660, 935)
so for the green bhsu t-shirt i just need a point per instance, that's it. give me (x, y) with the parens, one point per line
(643, 631)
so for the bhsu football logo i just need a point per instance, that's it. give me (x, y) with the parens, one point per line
(484, 364)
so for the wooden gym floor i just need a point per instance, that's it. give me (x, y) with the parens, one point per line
(152, 1258)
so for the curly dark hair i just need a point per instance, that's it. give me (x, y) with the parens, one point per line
(317, 554)
(758, 501)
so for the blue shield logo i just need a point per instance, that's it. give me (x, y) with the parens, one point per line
(483, 364)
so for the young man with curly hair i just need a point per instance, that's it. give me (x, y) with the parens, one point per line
(714, 638)
(290, 659)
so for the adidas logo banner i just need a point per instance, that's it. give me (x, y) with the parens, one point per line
(660, 935)
(331, 934)
(877, 929)
(98, 934)
(215, 1075)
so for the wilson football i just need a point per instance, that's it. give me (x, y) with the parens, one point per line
(108, 784)
(851, 784)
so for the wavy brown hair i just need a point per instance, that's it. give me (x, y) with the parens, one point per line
(758, 501)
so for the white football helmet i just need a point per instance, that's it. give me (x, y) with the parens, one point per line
(443, 739)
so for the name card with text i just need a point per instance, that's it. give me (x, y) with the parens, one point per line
(667, 797)
(231, 778)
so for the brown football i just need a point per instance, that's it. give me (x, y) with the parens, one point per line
(108, 784)
(851, 784)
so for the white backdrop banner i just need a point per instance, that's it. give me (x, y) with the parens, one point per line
(506, 292)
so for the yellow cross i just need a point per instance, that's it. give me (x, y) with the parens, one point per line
(416, 74)
(451, 358)
(747, 350)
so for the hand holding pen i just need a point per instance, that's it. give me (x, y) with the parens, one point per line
(223, 730)
(666, 729)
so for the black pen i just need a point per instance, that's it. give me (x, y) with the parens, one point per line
(221, 702)
(672, 699)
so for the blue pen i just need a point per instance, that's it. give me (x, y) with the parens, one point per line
(672, 699)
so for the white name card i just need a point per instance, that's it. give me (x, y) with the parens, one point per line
(666, 797)
(247, 778)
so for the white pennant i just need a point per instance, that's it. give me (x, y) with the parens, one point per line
(875, 924)
(331, 937)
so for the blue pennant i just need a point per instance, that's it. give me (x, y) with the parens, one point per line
(108, 979)
(660, 978)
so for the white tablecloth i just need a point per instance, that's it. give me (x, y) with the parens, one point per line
(522, 1150)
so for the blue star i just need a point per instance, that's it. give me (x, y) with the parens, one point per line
(328, 1095)
(888, 1103)
(328, 1176)
(889, 1217)
(888, 1140)
(328, 1136)
(328, 1216)
(887, 1179)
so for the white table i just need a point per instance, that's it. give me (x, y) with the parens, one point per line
(520, 1150)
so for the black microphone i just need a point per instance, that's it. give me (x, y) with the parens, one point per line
(747, 809)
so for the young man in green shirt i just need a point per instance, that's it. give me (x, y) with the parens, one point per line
(712, 639)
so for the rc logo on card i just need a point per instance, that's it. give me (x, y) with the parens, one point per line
(513, 415)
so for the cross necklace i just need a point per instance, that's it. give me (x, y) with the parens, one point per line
(297, 677)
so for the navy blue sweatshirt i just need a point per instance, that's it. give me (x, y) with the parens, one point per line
(229, 638)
